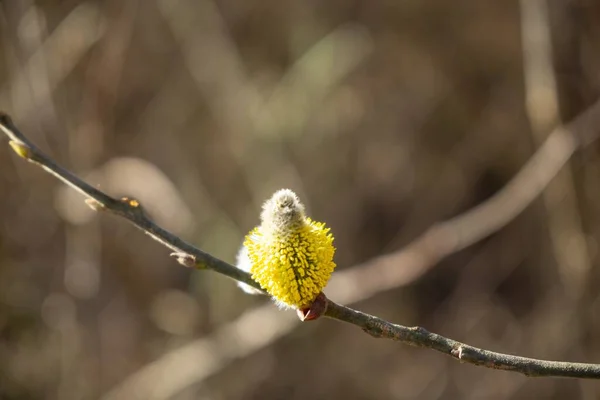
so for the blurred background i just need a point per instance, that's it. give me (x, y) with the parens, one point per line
(386, 117)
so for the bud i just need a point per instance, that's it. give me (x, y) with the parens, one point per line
(288, 254)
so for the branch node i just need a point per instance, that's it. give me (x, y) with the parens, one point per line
(133, 205)
(187, 260)
(315, 310)
(21, 149)
(95, 204)
(457, 352)
(374, 329)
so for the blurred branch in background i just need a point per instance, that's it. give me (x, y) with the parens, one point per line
(440, 241)
(571, 254)
(468, 228)
(194, 362)
(542, 105)
(255, 116)
(52, 60)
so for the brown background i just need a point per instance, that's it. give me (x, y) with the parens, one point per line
(384, 116)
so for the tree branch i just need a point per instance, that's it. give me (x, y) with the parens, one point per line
(421, 337)
(559, 146)
(130, 209)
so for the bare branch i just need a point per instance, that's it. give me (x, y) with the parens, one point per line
(127, 208)
(420, 337)
(469, 227)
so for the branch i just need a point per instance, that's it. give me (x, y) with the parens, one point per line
(560, 145)
(130, 209)
(420, 337)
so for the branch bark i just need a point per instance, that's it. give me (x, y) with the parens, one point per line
(421, 337)
(466, 229)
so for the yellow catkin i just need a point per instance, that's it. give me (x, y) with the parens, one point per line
(291, 255)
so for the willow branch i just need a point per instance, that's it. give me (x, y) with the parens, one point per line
(421, 337)
(127, 208)
(560, 144)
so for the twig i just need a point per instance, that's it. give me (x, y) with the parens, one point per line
(561, 143)
(130, 209)
(420, 337)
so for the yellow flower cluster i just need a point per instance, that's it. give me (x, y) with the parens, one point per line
(291, 256)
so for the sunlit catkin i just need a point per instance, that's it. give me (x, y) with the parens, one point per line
(288, 254)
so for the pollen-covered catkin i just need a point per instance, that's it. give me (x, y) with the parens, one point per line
(288, 254)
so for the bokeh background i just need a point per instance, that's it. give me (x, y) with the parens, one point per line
(384, 116)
